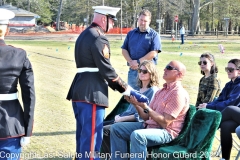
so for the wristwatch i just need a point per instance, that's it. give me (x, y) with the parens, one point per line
(138, 61)
(146, 110)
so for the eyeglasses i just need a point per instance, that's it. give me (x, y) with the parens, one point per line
(143, 71)
(229, 69)
(168, 67)
(202, 62)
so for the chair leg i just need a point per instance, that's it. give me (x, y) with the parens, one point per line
(235, 144)
(237, 147)
(218, 152)
(238, 155)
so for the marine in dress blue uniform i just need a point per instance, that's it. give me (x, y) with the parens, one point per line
(16, 122)
(89, 89)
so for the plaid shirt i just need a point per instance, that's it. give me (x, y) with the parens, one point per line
(209, 88)
(173, 100)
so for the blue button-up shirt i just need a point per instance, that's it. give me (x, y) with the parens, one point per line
(138, 44)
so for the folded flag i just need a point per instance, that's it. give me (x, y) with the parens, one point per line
(140, 97)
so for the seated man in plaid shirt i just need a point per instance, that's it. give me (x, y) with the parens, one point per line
(164, 118)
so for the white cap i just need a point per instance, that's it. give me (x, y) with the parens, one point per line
(108, 11)
(5, 15)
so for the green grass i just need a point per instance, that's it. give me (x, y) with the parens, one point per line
(54, 68)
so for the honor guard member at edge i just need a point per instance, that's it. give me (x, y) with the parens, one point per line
(89, 89)
(16, 122)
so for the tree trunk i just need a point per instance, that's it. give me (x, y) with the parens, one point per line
(158, 13)
(29, 5)
(230, 27)
(58, 15)
(198, 30)
(87, 16)
(195, 18)
(134, 5)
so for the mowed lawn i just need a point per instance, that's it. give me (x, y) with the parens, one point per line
(54, 68)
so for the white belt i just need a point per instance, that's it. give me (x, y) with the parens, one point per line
(7, 97)
(86, 69)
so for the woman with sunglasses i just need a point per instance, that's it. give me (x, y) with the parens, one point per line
(148, 81)
(230, 114)
(209, 86)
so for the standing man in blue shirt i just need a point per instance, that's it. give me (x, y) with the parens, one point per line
(182, 32)
(141, 43)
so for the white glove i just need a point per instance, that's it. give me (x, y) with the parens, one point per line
(24, 141)
(128, 91)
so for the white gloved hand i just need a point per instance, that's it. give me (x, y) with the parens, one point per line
(128, 91)
(24, 141)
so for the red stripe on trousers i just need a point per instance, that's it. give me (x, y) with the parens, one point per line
(93, 130)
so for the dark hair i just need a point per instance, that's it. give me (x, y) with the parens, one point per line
(145, 12)
(236, 62)
(214, 68)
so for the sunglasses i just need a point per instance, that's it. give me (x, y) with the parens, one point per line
(143, 71)
(168, 67)
(202, 62)
(229, 69)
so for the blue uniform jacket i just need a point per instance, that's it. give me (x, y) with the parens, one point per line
(92, 50)
(230, 95)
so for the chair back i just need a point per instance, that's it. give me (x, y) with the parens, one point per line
(190, 113)
(201, 132)
(187, 121)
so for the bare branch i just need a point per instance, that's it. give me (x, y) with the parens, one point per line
(174, 4)
(177, 6)
(207, 2)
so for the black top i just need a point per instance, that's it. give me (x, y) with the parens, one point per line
(92, 50)
(16, 68)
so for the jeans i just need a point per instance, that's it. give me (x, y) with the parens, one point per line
(238, 131)
(182, 38)
(132, 79)
(139, 138)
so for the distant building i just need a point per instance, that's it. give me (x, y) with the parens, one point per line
(22, 17)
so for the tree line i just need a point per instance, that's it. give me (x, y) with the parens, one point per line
(195, 15)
